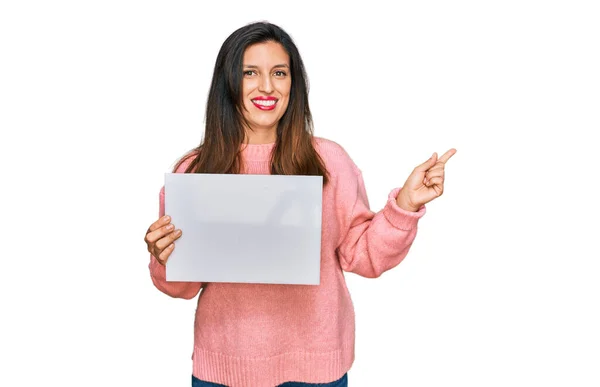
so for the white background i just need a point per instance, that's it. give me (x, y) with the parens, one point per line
(99, 99)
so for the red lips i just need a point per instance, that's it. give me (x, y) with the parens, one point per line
(269, 106)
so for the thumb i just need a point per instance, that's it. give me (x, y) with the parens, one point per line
(427, 164)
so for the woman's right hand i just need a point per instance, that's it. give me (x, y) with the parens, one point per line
(160, 239)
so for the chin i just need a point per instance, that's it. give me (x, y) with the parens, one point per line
(265, 124)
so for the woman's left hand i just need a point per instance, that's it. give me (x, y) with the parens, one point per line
(425, 183)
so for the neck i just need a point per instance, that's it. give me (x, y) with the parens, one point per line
(261, 136)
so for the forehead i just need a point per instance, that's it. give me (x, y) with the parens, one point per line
(266, 54)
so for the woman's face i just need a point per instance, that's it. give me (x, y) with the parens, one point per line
(266, 85)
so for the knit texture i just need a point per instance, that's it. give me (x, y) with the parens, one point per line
(262, 335)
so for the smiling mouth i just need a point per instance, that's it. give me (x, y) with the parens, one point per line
(265, 104)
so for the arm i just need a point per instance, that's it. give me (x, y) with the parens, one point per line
(186, 290)
(373, 242)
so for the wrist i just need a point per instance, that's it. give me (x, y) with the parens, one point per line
(405, 204)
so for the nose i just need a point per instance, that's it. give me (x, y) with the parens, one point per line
(265, 84)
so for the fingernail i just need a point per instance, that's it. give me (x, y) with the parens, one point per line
(166, 218)
(170, 227)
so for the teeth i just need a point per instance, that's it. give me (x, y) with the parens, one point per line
(263, 102)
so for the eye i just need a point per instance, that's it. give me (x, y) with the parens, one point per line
(280, 73)
(249, 73)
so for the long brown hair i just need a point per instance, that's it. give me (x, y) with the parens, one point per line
(219, 152)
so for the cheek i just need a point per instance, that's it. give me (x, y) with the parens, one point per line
(246, 104)
(284, 105)
(285, 90)
(248, 86)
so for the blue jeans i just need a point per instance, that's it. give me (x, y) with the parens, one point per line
(342, 382)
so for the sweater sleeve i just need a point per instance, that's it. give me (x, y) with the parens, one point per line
(373, 243)
(186, 290)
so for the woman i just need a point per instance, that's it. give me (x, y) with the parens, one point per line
(258, 122)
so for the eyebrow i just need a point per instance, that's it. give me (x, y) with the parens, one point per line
(279, 65)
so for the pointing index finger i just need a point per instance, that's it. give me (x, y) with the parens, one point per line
(446, 156)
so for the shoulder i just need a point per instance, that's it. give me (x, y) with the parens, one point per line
(185, 161)
(336, 158)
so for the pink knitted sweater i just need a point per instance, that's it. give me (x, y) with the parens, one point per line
(262, 335)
